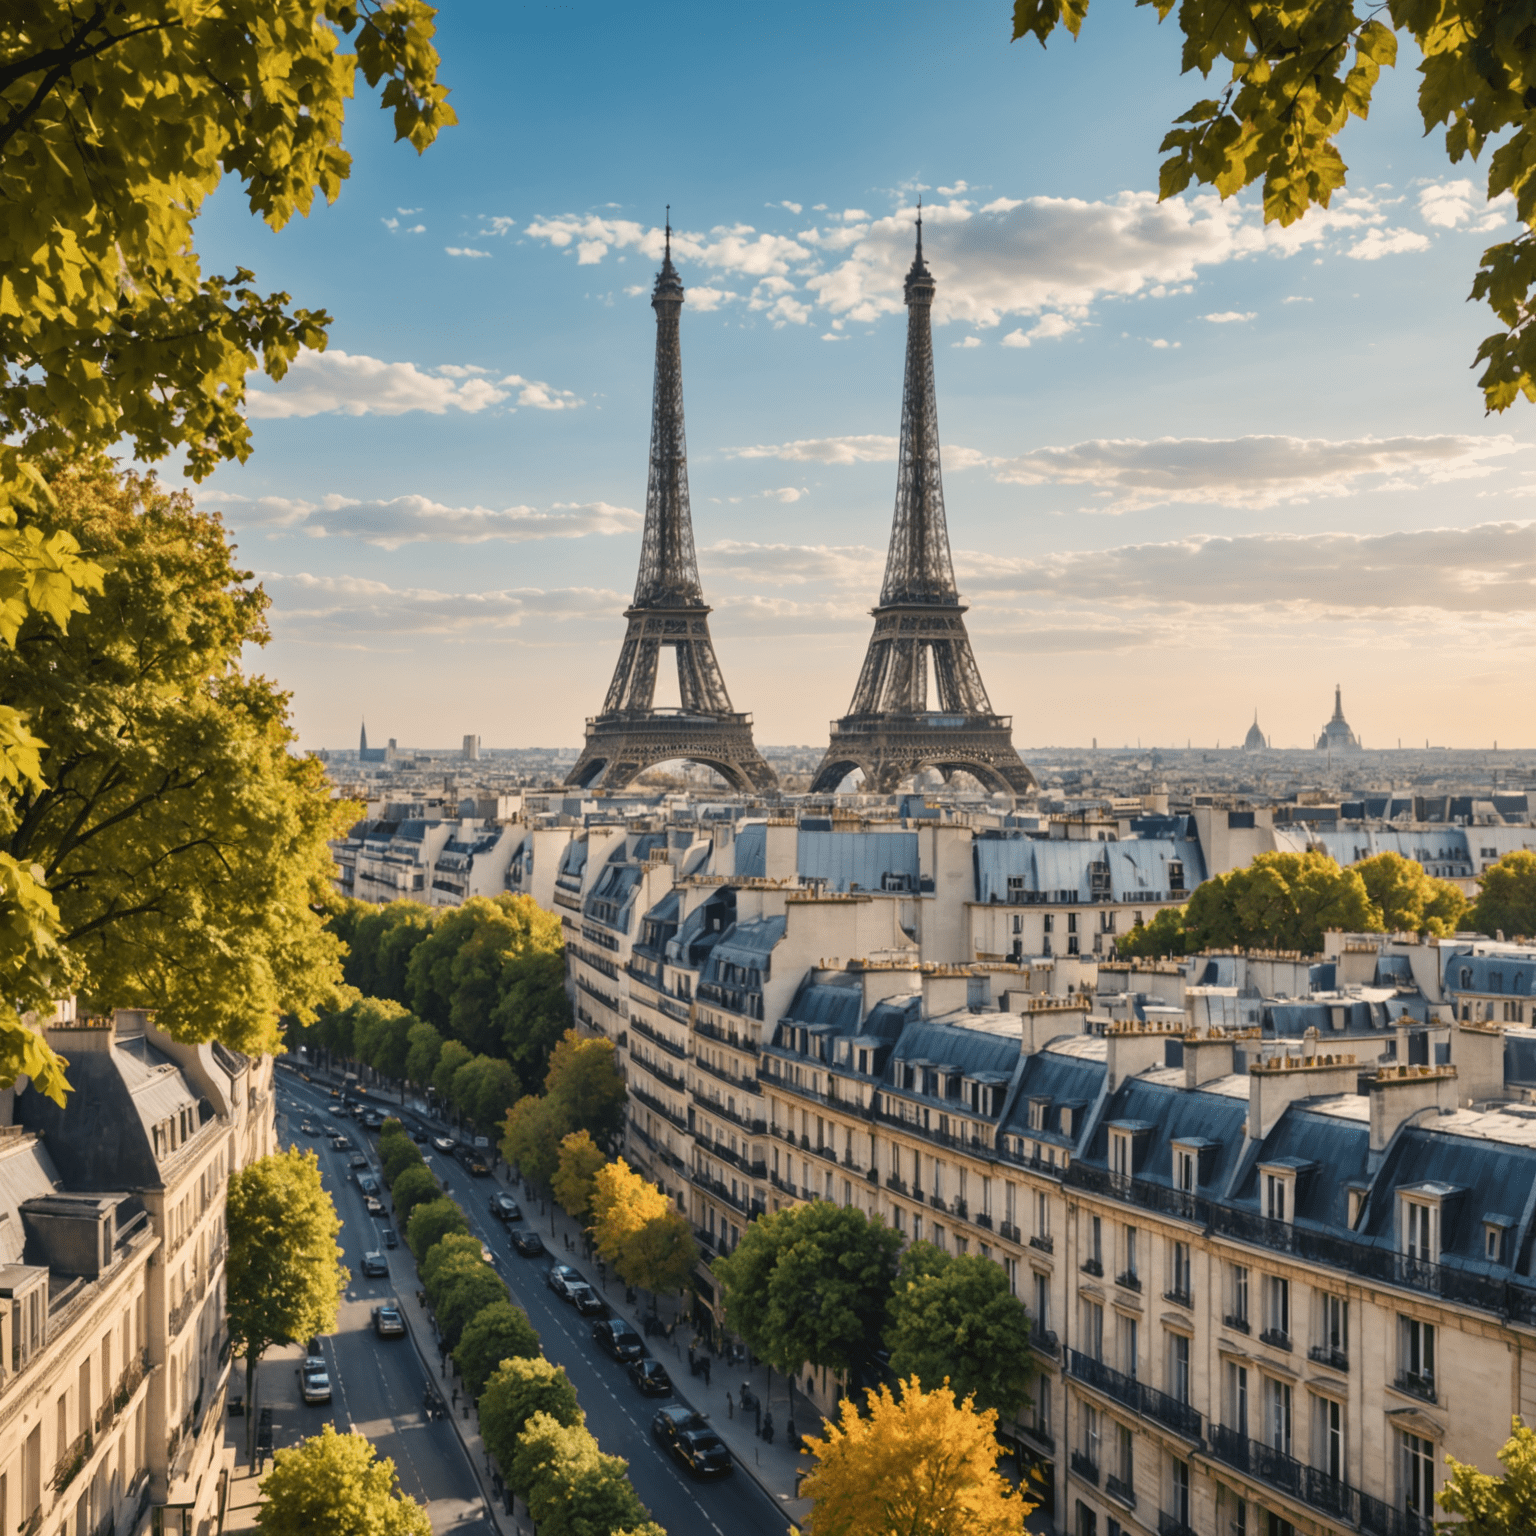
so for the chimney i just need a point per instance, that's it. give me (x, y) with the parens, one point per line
(1134, 1046)
(1281, 1080)
(1478, 1053)
(945, 989)
(883, 981)
(781, 848)
(1206, 1058)
(1399, 1093)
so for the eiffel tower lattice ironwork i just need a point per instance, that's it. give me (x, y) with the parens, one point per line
(669, 612)
(891, 730)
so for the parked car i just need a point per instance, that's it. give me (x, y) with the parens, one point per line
(391, 1239)
(444, 1143)
(673, 1420)
(650, 1378)
(373, 1205)
(615, 1337)
(474, 1161)
(357, 1160)
(374, 1264)
(586, 1301)
(418, 1135)
(314, 1380)
(367, 1183)
(505, 1208)
(388, 1320)
(703, 1453)
(560, 1277)
(528, 1243)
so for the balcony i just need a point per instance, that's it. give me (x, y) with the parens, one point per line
(651, 1102)
(1130, 1280)
(1171, 1525)
(1041, 1437)
(640, 1027)
(938, 1202)
(1180, 1298)
(1276, 1338)
(1416, 1384)
(1045, 1341)
(744, 1084)
(1151, 1197)
(983, 1219)
(782, 1184)
(1323, 1354)
(1123, 1491)
(899, 1185)
(736, 1042)
(674, 1080)
(717, 1107)
(1236, 1321)
(1084, 1468)
(71, 1460)
(1092, 1266)
(1136, 1395)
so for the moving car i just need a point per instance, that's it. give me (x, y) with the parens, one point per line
(309, 1130)
(373, 1205)
(314, 1380)
(388, 1320)
(357, 1160)
(560, 1277)
(615, 1337)
(474, 1162)
(391, 1240)
(586, 1301)
(703, 1453)
(418, 1135)
(374, 1263)
(674, 1420)
(341, 1143)
(505, 1208)
(650, 1377)
(367, 1184)
(444, 1143)
(527, 1242)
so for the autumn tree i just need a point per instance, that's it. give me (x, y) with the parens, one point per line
(1409, 900)
(1291, 76)
(1506, 901)
(518, 1389)
(586, 1088)
(1279, 901)
(810, 1284)
(284, 1274)
(921, 1463)
(117, 122)
(661, 1255)
(1495, 1506)
(573, 1183)
(498, 1332)
(531, 1138)
(432, 1222)
(339, 1485)
(622, 1203)
(954, 1318)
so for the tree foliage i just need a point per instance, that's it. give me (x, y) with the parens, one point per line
(1495, 1506)
(396, 1155)
(284, 1274)
(414, 1186)
(586, 1087)
(380, 1034)
(635, 1226)
(1292, 74)
(183, 843)
(498, 1332)
(531, 1138)
(454, 1054)
(518, 1389)
(661, 1255)
(431, 1223)
(622, 1203)
(922, 1464)
(1164, 935)
(574, 1181)
(424, 1045)
(1506, 901)
(446, 1252)
(1407, 899)
(571, 1487)
(810, 1284)
(954, 1319)
(463, 1295)
(1280, 901)
(117, 122)
(336, 1484)
(483, 1090)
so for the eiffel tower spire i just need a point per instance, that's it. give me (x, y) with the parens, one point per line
(668, 612)
(891, 730)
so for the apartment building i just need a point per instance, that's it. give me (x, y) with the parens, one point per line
(113, 1353)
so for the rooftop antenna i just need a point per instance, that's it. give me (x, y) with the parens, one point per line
(919, 226)
(669, 231)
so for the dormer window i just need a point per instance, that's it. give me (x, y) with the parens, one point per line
(1421, 1229)
(1065, 1122)
(1037, 1112)
(1183, 1170)
(1120, 1154)
(1277, 1190)
(1493, 1241)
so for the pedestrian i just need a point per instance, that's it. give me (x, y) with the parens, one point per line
(730, 1404)
(455, 1397)
(789, 1429)
(768, 1426)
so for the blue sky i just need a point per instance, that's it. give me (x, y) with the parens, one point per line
(1192, 466)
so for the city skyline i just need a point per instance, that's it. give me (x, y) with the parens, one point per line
(1190, 463)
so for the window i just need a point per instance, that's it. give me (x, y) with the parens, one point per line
(1050, 927)
(1087, 1521)
(1042, 1215)
(1416, 1343)
(1184, 1170)
(1120, 1154)
(1334, 1342)
(1042, 1417)
(1274, 1197)
(1178, 1367)
(1042, 1302)
(1091, 1431)
(1418, 1474)
(1130, 1253)
(1278, 1412)
(1419, 1231)
(1071, 922)
(1330, 1423)
(1178, 1490)
(1237, 1398)
(1493, 1242)
(1238, 1316)
(1179, 1290)
(1125, 1469)
(1277, 1311)
(1093, 1330)
(1130, 1335)
(1095, 1261)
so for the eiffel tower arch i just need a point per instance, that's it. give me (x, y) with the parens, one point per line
(892, 728)
(669, 614)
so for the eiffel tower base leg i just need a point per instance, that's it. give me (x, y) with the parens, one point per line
(889, 753)
(619, 750)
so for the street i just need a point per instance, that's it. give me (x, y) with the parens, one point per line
(378, 1384)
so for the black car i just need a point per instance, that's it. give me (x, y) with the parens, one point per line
(391, 1240)
(357, 1160)
(505, 1208)
(374, 1263)
(615, 1337)
(586, 1301)
(673, 1420)
(560, 1277)
(703, 1453)
(418, 1135)
(527, 1242)
(650, 1377)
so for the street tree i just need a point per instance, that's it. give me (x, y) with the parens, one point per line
(571, 1487)
(661, 1255)
(454, 1054)
(498, 1332)
(622, 1203)
(519, 1388)
(283, 1272)
(1489, 1505)
(531, 1138)
(586, 1087)
(533, 1011)
(1295, 74)
(810, 1284)
(1506, 901)
(422, 1048)
(1407, 899)
(451, 1249)
(396, 1155)
(484, 1089)
(117, 122)
(453, 1268)
(574, 1181)
(1280, 901)
(954, 1318)
(431, 1223)
(921, 1464)
(336, 1484)
(414, 1186)
(184, 844)
(463, 1295)
(381, 943)
(1163, 936)
(380, 1031)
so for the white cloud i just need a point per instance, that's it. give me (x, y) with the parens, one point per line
(390, 223)
(823, 450)
(419, 520)
(1250, 472)
(1296, 298)
(1387, 242)
(786, 493)
(1450, 204)
(794, 565)
(496, 224)
(406, 212)
(795, 208)
(1161, 343)
(1229, 316)
(704, 299)
(967, 341)
(733, 248)
(1046, 327)
(355, 385)
(464, 250)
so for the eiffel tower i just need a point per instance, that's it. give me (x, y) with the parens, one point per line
(669, 611)
(890, 731)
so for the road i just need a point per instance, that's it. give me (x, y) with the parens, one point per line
(390, 1385)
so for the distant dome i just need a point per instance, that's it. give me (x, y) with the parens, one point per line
(1337, 736)
(1254, 741)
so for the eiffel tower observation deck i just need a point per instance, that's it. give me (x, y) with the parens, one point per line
(668, 613)
(891, 729)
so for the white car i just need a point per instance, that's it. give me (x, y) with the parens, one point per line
(315, 1380)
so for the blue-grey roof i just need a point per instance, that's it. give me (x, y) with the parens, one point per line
(972, 1051)
(1058, 1078)
(845, 860)
(1174, 1114)
(1338, 1150)
(1509, 974)
(748, 945)
(837, 1002)
(1044, 868)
